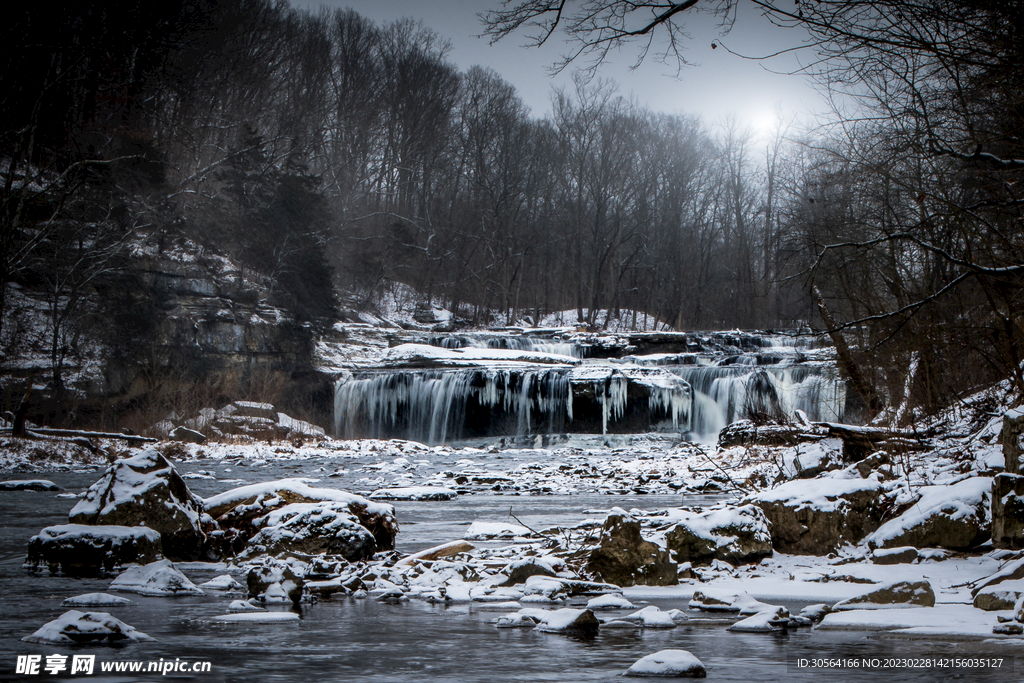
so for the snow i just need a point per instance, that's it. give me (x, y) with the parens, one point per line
(244, 606)
(258, 617)
(96, 600)
(765, 621)
(416, 355)
(86, 627)
(559, 620)
(155, 578)
(669, 663)
(480, 531)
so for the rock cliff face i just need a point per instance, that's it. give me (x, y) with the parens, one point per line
(174, 313)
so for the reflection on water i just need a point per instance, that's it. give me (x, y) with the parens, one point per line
(364, 641)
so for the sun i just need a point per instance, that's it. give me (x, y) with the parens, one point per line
(763, 120)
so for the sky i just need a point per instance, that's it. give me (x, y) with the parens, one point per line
(718, 84)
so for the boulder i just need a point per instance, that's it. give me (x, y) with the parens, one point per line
(568, 620)
(187, 435)
(626, 559)
(96, 600)
(156, 578)
(899, 594)
(766, 621)
(86, 628)
(955, 517)
(668, 664)
(734, 535)
(816, 516)
(898, 555)
(85, 550)
(147, 490)
(999, 596)
(28, 485)
(650, 617)
(253, 409)
(519, 572)
(274, 581)
(236, 511)
(1012, 574)
(312, 529)
(1008, 510)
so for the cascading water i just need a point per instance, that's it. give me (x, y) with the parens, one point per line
(724, 394)
(438, 406)
(515, 343)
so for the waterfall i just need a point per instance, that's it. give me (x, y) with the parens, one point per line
(724, 394)
(515, 343)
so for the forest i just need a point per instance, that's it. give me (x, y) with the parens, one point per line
(337, 158)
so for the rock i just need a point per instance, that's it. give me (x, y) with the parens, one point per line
(733, 535)
(609, 602)
(626, 559)
(252, 409)
(668, 664)
(258, 617)
(86, 628)
(225, 582)
(515, 621)
(415, 493)
(437, 552)
(871, 463)
(244, 606)
(1000, 596)
(274, 581)
(710, 600)
(519, 572)
(899, 594)
(237, 510)
(96, 600)
(954, 517)
(29, 485)
(187, 435)
(810, 615)
(812, 459)
(1013, 571)
(900, 555)
(568, 620)
(155, 578)
(746, 433)
(147, 490)
(816, 516)
(312, 529)
(1010, 629)
(765, 621)
(650, 617)
(1018, 610)
(1008, 510)
(85, 550)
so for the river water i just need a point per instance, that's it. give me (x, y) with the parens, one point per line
(366, 641)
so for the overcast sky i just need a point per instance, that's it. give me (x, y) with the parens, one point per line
(718, 84)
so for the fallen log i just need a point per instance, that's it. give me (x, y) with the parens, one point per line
(50, 431)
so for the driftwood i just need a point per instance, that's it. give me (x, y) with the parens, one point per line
(859, 442)
(49, 431)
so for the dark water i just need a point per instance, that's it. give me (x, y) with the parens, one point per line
(364, 641)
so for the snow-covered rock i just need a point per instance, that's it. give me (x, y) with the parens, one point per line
(668, 664)
(999, 596)
(650, 617)
(415, 493)
(736, 535)
(956, 517)
(28, 485)
(224, 582)
(765, 621)
(722, 600)
(244, 606)
(237, 510)
(815, 516)
(624, 558)
(86, 628)
(96, 600)
(609, 602)
(258, 617)
(312, 529)
(274, 581)
(83, 549)
(568, 620)
(155, 578)
(147, 490)
(483, 531)
(892, 595)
